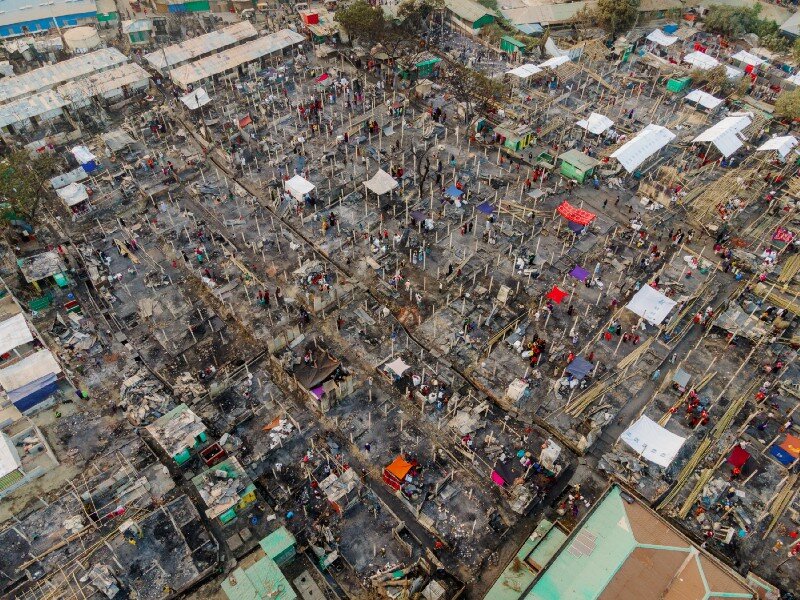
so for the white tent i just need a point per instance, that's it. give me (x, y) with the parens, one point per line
(556, 61)
(701, 60)
(30, 368)
(652, 441)
(704, 99)
(524, 71)
(724, 135)
(661, 38)
(83, 155)
(748, 59)
(651, 305)
(381, 183)
(196, 98)
(14, 332)
(59, 181)
(781, 144)
(705, 62)
(73, 194)
(298, 187)
(596, 123)
(647, 142)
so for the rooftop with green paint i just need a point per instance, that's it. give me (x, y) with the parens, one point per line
(622, 550)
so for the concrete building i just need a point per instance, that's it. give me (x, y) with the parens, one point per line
(20, 17)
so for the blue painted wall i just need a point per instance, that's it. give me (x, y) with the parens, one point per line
(44, 24)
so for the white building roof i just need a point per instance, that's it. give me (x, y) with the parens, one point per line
(196, 98)
(299, 186)
(233, 57)
(781, 144)
(73, 194)
(30, 368)
(704, 99)
(9, 458)
(724, 135)
(14, 332)
(52, 75)
(80, 90)
(647, 142)
(556, 61)
(202, 45)
(705, 62)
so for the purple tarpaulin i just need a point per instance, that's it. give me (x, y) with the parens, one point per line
(576, 227)
(579, 273)
(318, 392)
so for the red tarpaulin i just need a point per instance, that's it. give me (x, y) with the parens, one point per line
(738, 456)
(557, 295)
(576, 215)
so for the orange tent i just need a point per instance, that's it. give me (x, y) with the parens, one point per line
(394, 473)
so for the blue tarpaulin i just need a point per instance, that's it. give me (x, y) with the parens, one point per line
(579, 368)
(33, 393)
(485, 208)
(454, 192)
(782, 455)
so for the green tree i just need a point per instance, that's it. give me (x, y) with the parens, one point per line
(479, 94)
(616, 16)
(362, 21)
(796, 50)
(788, 104)
(24, 181)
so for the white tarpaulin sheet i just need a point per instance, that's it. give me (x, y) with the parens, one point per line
(13, 333)
(556, 61)
(781, 144)
(524, 71)
(661, 38)
(195, 99)
(651, 305)
(647, 142)
(724, 135)
(298, 187)
(596, 123)
(73, 194)
(704, 99)
(652, 441)
(748, 59)
(794, 79)
(701, 60)
(83, 155)
(398, 367)
(29, 369)
(381, 183)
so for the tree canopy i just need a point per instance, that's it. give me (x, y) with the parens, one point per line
(616, 16)
(788, 104)
(733, 21)
(23, 182)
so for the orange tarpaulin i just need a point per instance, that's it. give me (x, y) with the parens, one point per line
(576, 215)
(399, 468)
(792, 445)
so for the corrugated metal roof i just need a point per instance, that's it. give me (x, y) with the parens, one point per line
(199, 46)
(546, 14)
(74, 91)
(277, 542)
(67, 70)
(233, 57)
(468, 10)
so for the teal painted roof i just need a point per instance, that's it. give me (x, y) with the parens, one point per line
(620, 536)
(583, 568)
(540, 547)
(260, 581)
(277, 542)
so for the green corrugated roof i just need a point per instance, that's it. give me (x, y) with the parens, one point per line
(260, 581)
(601, 544)
(277, 542)
(513, 41)
(469, 10)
